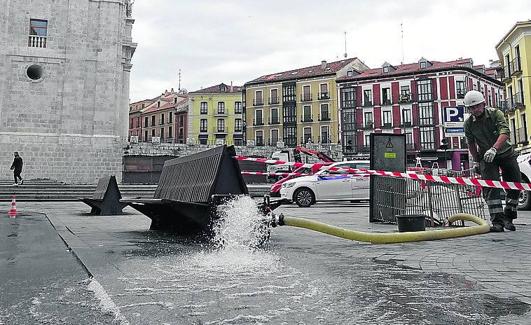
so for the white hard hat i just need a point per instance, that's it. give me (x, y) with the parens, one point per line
(473, 97)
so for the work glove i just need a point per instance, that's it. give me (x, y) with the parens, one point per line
(489, 155)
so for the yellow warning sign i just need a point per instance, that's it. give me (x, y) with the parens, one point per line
(390, 155)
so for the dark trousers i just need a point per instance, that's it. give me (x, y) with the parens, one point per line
(16, 175)
(510, 173)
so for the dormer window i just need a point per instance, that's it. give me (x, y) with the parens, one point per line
(387, 67)
(423, 63)
(350, 73)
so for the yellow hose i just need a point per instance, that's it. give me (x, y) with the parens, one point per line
(398, 237)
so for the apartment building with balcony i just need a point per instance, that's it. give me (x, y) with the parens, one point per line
(409, 99)
(161, 119)
(157, 120)
(297, 106)
(215, 115)
(514, 52)
(135, 119)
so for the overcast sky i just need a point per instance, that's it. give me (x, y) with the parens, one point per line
(215, 41)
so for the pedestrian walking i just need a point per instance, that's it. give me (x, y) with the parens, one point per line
(487, 134)
(16, 167)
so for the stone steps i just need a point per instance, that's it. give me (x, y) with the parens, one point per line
(55, 191)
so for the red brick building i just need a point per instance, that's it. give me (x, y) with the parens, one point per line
(162, 119)
(135, 119)
(410, 99)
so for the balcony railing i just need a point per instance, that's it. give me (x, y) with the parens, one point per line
(367, 103)
(203, 130)
(522, 136)
(221, 113)
(503, 105)
(306, 139)
(306, 97)
(219, 130)
(368, 125)
(258, 122)
(460, 93)
(387, 126)
(405, 124)
(405, 98)
(37, 41)
(273, 100)
(516, 65)
(506, 76)
(323, 95)
(518, 100)
(238, 129)
(387, 101)
(258, 102)
(324, 117)
(306, 118)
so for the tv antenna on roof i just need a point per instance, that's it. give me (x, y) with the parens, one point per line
(345, 45)
(402, 41)
(179, 80)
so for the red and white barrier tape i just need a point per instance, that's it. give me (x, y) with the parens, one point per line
(273, 174)
(410, 175)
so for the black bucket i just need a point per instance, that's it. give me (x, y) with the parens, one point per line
(411, 222)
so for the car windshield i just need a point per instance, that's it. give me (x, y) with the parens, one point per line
(356, 165)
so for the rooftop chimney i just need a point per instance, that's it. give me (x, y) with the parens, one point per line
(231, 88)
(323, 64)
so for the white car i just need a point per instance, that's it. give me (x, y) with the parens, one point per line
(327, 185)
(524, 162)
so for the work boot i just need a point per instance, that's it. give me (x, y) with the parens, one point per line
(496, 227)
(509, 216)
(509, 225)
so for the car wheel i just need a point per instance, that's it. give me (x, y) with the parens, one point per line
(524, 200)
(304, 197)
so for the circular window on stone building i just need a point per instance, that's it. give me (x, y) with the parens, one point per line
(34, 72)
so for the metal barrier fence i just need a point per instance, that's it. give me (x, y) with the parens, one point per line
(396, 196)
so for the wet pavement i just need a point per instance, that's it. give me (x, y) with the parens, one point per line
(127, 274)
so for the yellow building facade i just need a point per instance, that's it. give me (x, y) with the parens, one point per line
(215, 116)
(514, 52)
(296, 107)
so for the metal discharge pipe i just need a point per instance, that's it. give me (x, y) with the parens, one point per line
(482, 227)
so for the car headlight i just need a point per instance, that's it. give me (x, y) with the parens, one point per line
(288, 185)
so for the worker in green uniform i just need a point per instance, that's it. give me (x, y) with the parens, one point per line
(487, 134)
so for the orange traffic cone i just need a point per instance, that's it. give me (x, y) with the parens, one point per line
(13, 211)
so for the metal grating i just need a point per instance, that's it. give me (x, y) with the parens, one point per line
(395, 196)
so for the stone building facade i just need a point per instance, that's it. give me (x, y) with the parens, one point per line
(64, 87)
